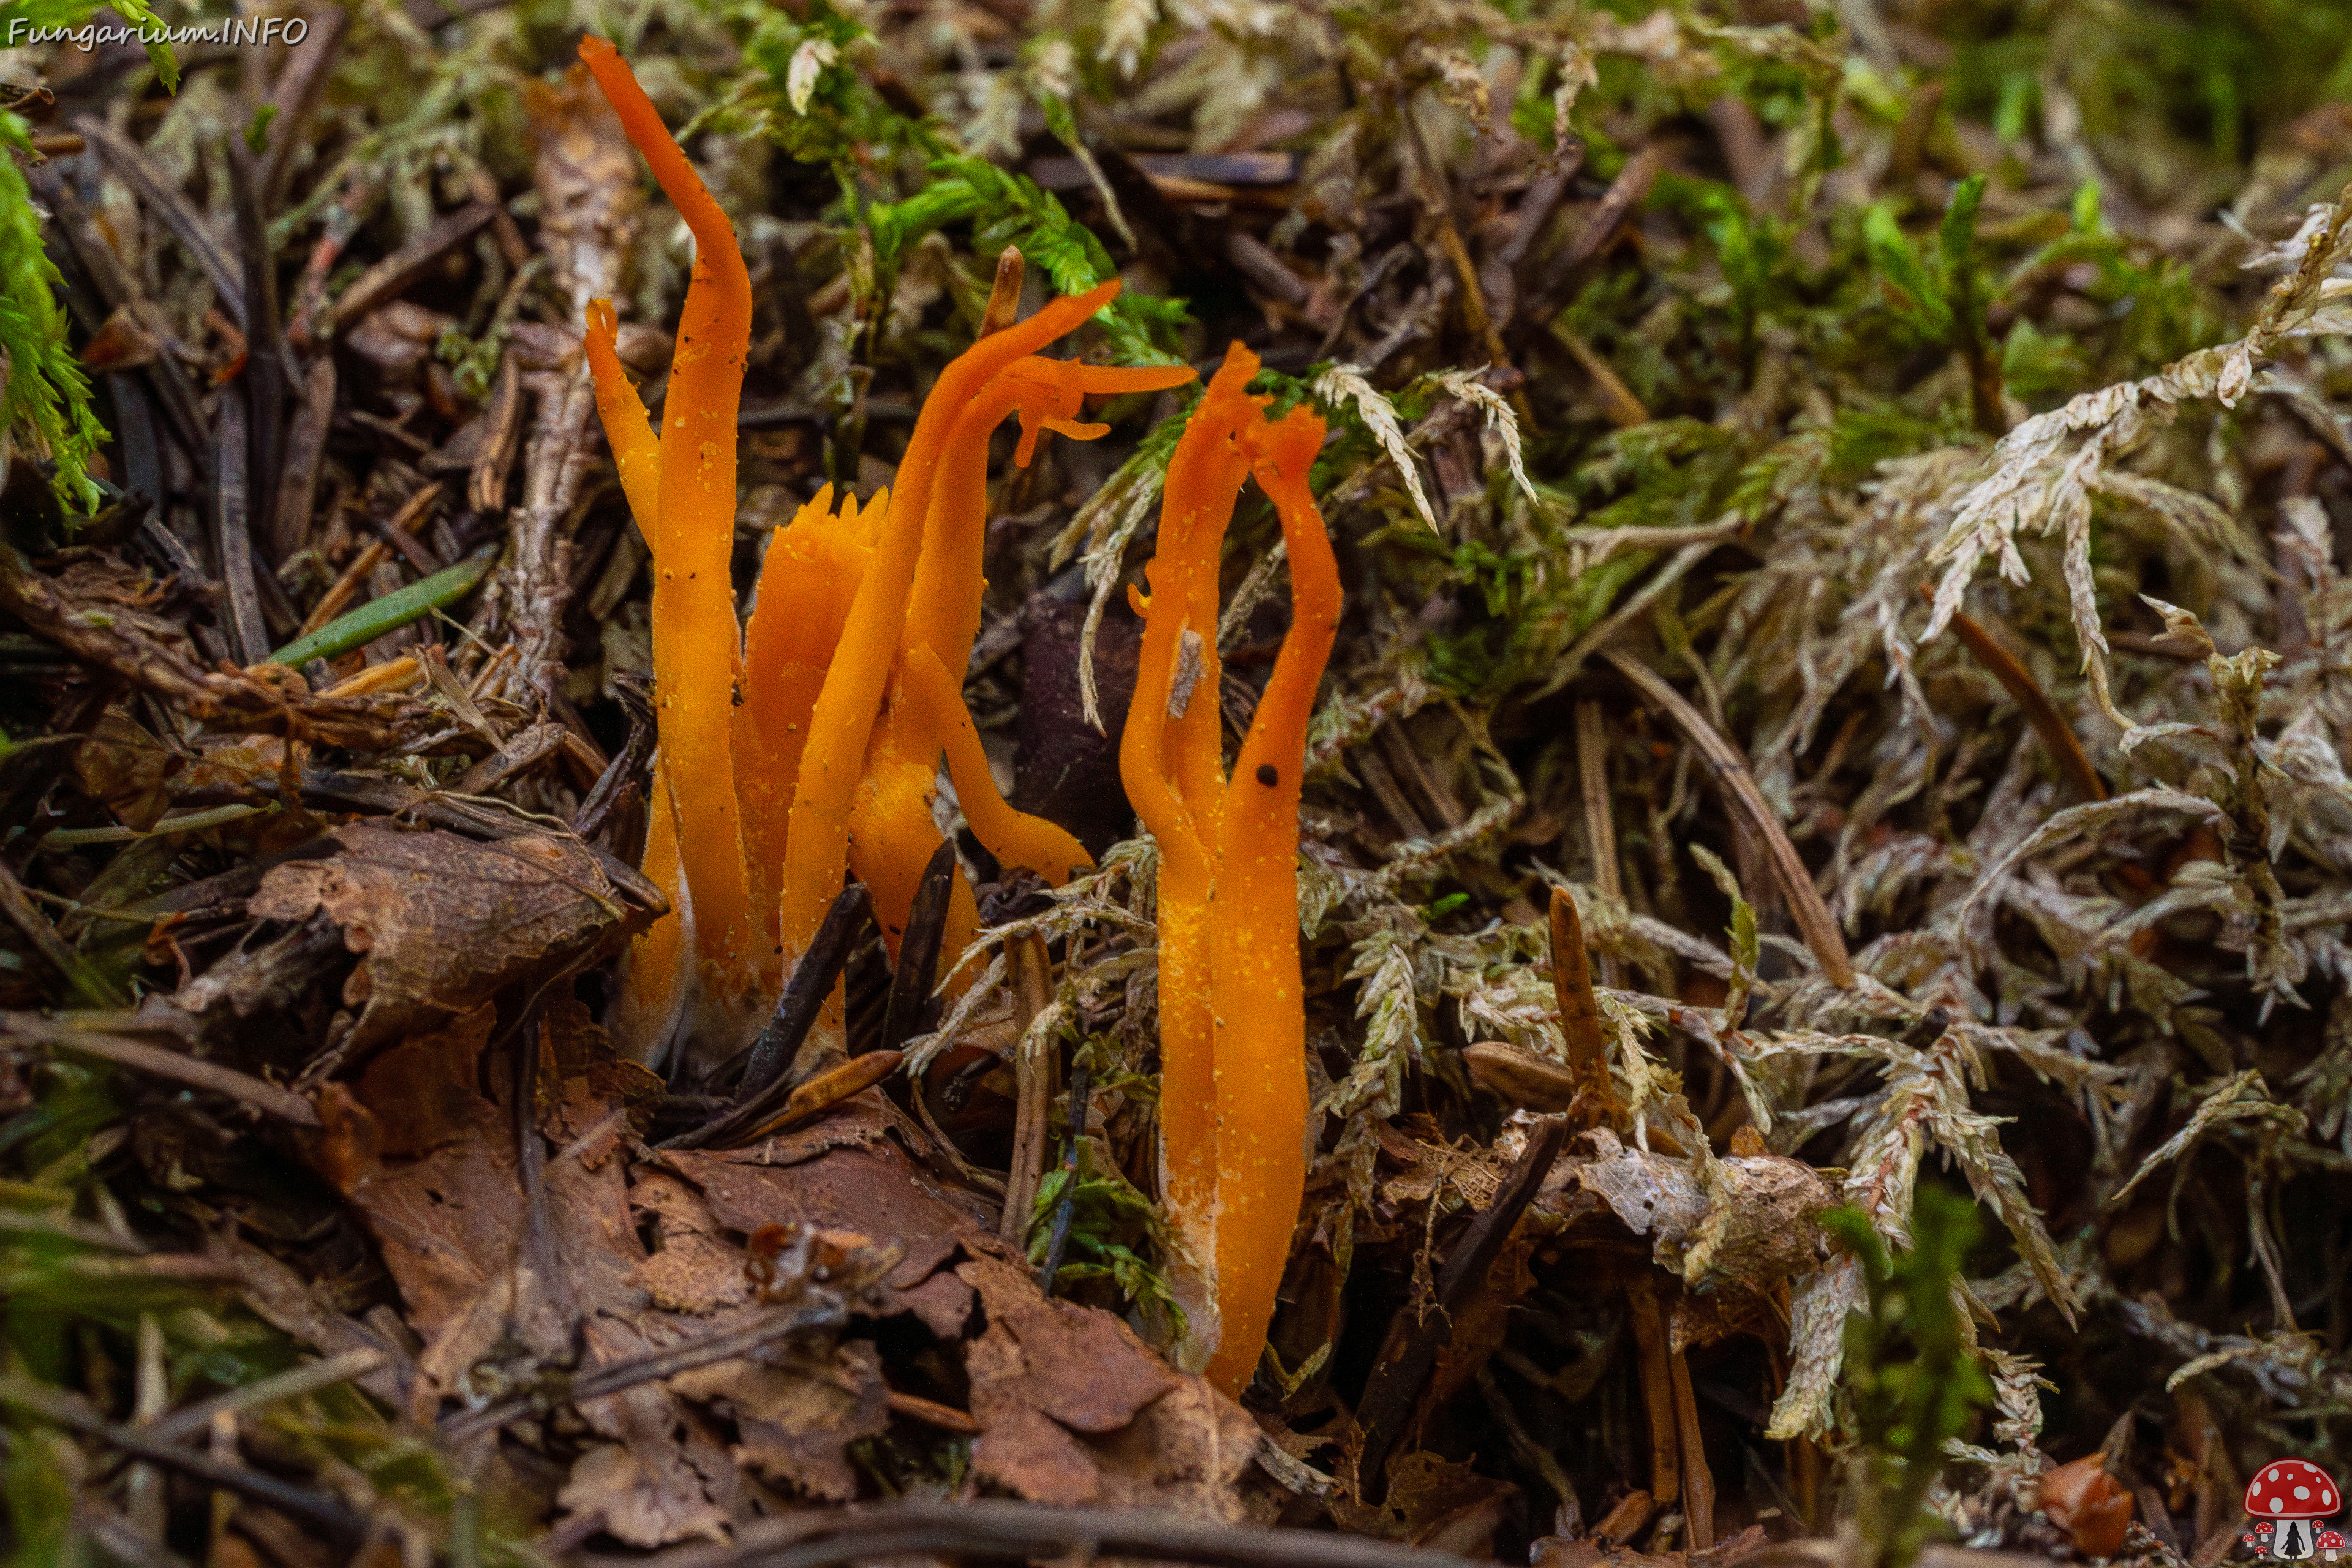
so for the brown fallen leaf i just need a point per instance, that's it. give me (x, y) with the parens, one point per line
(128, 770)
(799, 1411)
(445, 923)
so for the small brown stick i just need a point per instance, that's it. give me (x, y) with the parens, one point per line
(502, 439)
(158, 1061)
(1034, 1077)
(92, 987)
(1626, 1520)
(306, 447)
(918, 974)
(1579, 1015)
(932, 1412)
(768, 1064)
(1001, 1527)
(829, 1088)
(1812, 916)
(1004, 294)
(233, 534)
(1397, 1382)
(2065, 746)
(1698, 1481)
(1624, 409)
(1657, 1387)
(1600, 823)
(387, 278)
(138, 169)
(345, 586)
(269, 369)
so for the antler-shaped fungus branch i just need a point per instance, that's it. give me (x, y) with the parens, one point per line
(1232, 1023)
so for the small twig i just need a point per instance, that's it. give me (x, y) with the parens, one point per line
(1698, 1481)
(1657, 1379)
(996, 1527)
(268, 374)
(1396, 1382)
(1618, 400)
(828, 1088)
(485, 488)
(2065, 746)
(1812, 916)
(1599, 824)
(87, 982)
(819, 1309)
(387, 278)
(767, 1079)
(1033, 1073)
(912, 984)
(306, 450)
(320, 1510)
(631, 769)
(156, 1062)
(233, 532)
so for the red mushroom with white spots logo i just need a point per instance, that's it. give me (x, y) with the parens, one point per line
(2331, 1542)
(2293, 1495)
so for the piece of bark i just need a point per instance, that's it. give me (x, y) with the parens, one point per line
(306, 448)
(232, 520)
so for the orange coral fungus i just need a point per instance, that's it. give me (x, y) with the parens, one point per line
(923, 589)
(893, 833)
(1233, 1024)
(847, 676)
(693, 539)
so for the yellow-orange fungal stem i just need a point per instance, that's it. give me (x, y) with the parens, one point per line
(697, 646)
(1048, 395)
(1261, 1028)
(806, 585)
(892, 836)
(654, 990)
(1204, 476)
(636, 450)
(1193, 753)
(817, 847)
(1014, 837)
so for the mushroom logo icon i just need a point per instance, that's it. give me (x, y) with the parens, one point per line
(2288, 1498)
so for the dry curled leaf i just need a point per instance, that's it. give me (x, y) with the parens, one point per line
(445, 923)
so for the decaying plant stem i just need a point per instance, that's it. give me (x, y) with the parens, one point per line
(1812, 916)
